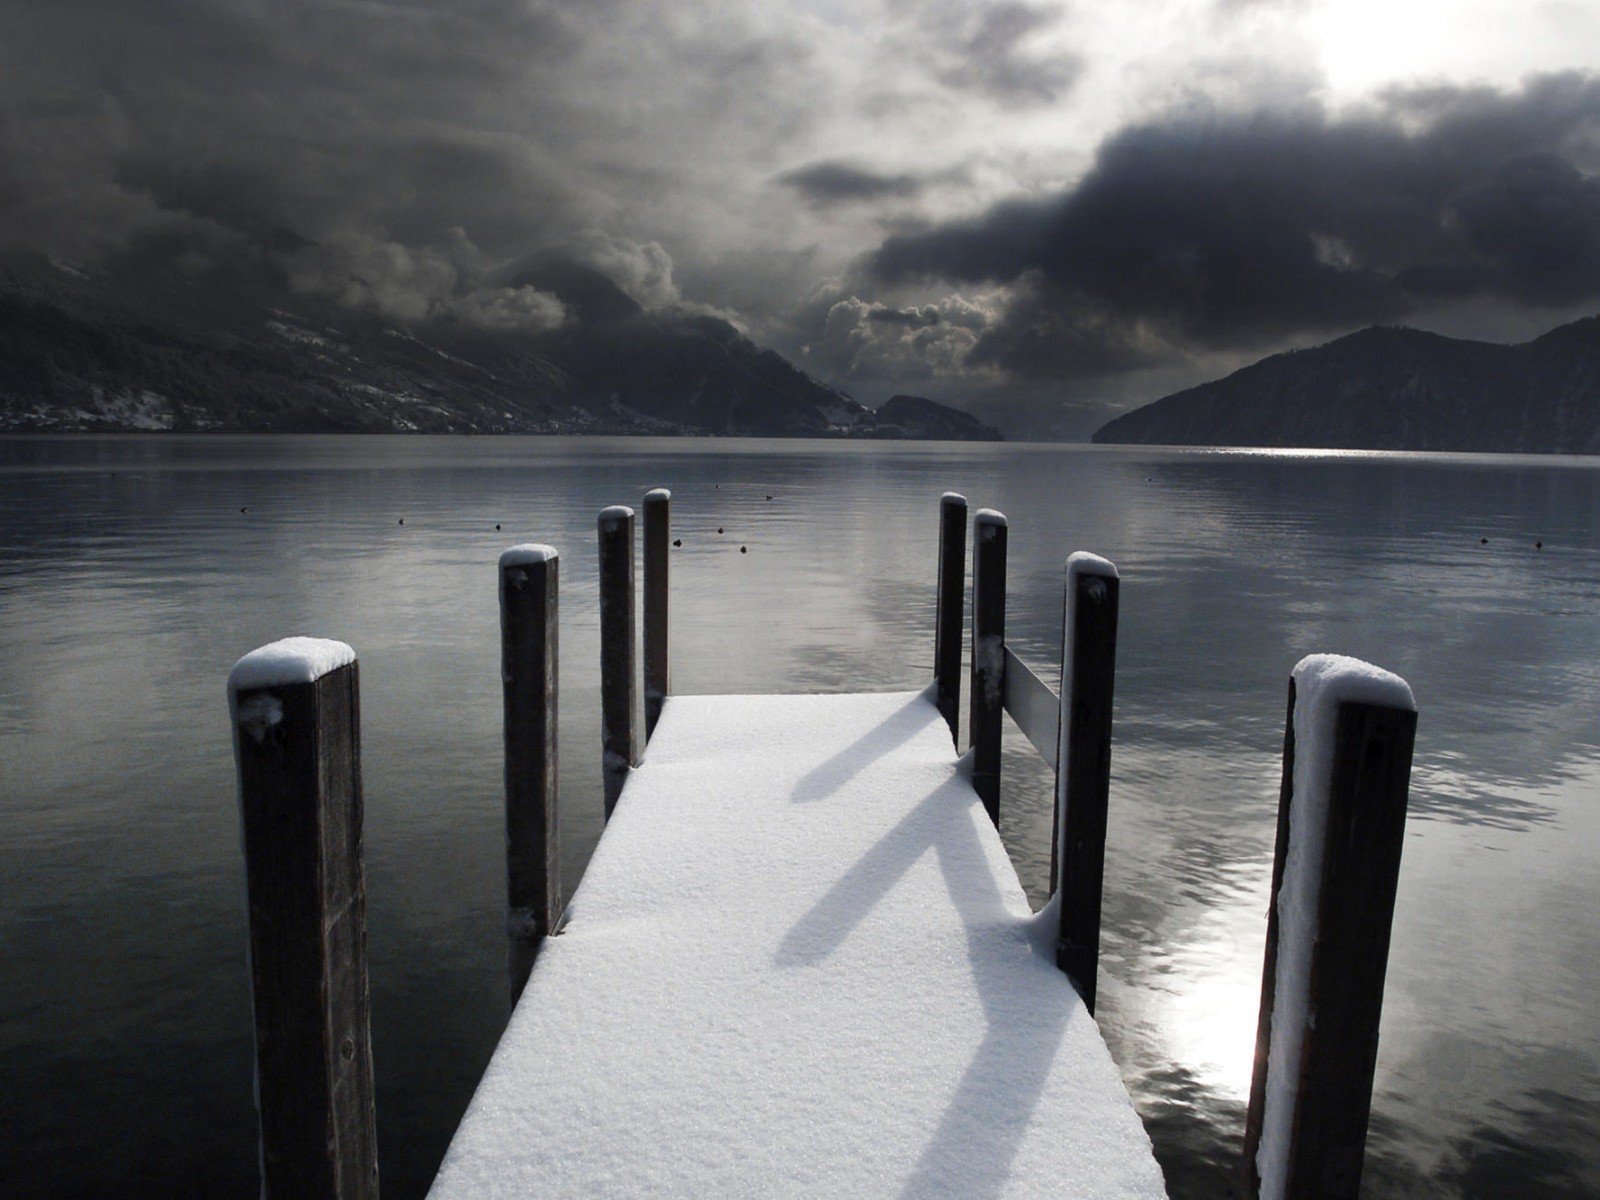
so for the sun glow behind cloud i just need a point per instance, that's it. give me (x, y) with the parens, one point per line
(1364, 45)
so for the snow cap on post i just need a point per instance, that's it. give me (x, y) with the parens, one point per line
(658, 494)
(290, 660)
(1323, 681)
(1081, 562)
(613, 516)
(527, 554)
(990, 517)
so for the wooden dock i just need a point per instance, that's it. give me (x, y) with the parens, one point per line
(799, 962)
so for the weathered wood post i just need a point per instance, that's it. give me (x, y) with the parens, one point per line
(619, 696)
(297, 743)
(988, 655)
(657, 536)
(529, 669)
(1341, 821)
(947, 609)
(1083, 765)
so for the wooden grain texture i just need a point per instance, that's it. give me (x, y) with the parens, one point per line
(1360, 872)
(657, 551)
(1269, 966)
(619, 692)
(529, 672)
(1034, 706)
(1083, 777)
(948, 609)
(987, 701)
(301, 808)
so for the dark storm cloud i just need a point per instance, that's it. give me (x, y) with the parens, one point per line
(997, 59)
(1046, 333)
(738, 156)
(215, 128)
(919, 317)
(310, 136)
(995, 49)
(1228, 230)
(835, 182)
(305, 116)
(1535, 222)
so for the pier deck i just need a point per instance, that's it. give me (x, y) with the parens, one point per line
(800, 964)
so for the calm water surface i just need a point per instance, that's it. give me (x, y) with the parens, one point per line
(133, 571)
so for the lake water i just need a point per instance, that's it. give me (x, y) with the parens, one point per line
(133, 571)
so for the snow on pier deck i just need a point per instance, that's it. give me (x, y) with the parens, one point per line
(800, 964)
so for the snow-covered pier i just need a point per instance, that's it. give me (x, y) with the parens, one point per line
(799, 962)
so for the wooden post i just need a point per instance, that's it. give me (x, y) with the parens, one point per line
(947, 609)
(619, 696)
(657, 536)
(297, 744)
(988, 655)
(1341, 823)
(1083, 765)
(529, 668)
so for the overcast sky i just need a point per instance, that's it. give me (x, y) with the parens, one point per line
(1080, 202)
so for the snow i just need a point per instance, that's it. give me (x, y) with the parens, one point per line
(527, 554)
(800, 964)
(611, 517)
(67, 268)
(295, 333)
(658, 494)
(1081, 562)
(987, 517)
(839, 416)
(1321, 683)
(291, 660)
(124, 409)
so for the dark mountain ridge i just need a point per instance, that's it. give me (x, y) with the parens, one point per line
(1394, 388)
(84, 351)
(919, 417)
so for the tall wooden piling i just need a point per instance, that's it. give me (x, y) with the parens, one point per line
(1341, 824)
(1083, 765)
(296, 735)
(619, 695)
(948, 609)
(529, 669)
(657, 536)
(988, 692)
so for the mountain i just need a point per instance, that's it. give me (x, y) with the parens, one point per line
(919, 417)
(1388, 388)
(81, 350)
